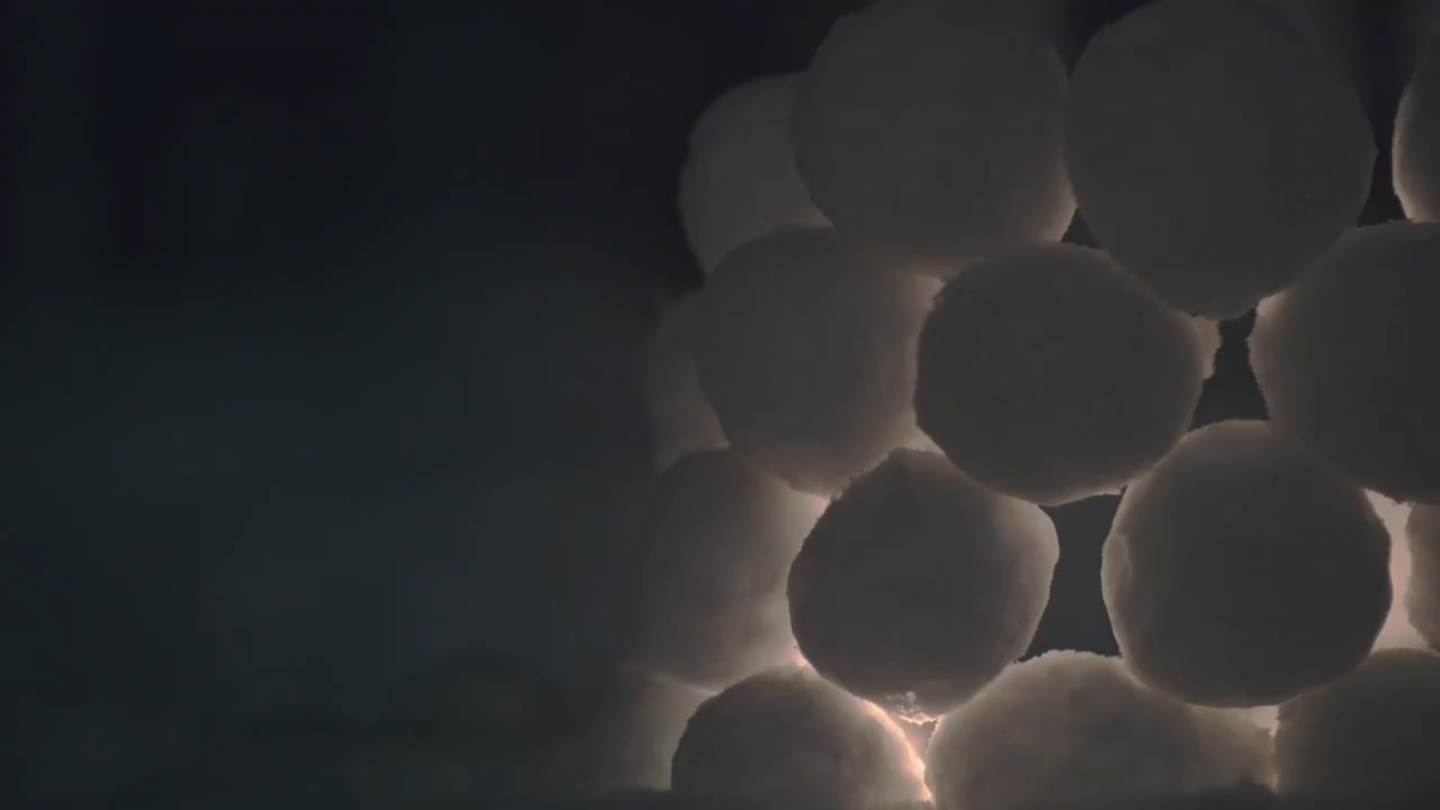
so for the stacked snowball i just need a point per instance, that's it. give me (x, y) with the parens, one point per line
(893, 364)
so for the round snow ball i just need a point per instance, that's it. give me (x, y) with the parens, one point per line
(787, 738)
(1242, 570)
(926, 133)
(681, 419)
(918, 580)
(1072, 727)
(1422, 535)
(739, 182)
(1048, 374)
(1372, 735)
(1214, 151)
(807, 354)
(1415, 158)
(1348, 359)
(710, 603)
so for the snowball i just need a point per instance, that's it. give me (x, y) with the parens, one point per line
(1214, 151)
(918, 580)
(1242, 570)
(1415, 157)
(789, 738)
(710, 605)
(927, 133)
(628, 742)
(1422, 602)
(739, 182)
(1348, 359)
(808, 355)
(1076, 727)
(681, 419)
(1048, 374)
(1371, 735)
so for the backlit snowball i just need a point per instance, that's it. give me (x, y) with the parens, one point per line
(1071, 727)
(1214, 151)
(681, 419)
(1242, 570)
(710, 605)
(1048, 374)
(740, 182)
(918, 580)
(1373, 734)
(928, 133)
(1348, 359)
(1422, 602)
(808, 355)
(628, 742)
(1415, 158)
(789, 738)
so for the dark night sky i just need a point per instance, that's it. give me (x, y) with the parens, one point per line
(319, 328)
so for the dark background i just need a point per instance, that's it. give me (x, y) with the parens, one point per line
(318, 327)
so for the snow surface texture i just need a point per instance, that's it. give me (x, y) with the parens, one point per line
(918, 580)
(1415, 158)
(1048, 374)
(928, 134)
(807, 354)
(1422, 602)
(740, 182)
(628, 742)
(1071, 727)
(790, 739)
(1348, 359)
(1371, 735)
(710, 603)
(1225, 164)
(1242, 570)
(681, 419)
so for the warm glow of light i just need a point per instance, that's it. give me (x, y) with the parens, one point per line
(914, 763)
(1397, 632)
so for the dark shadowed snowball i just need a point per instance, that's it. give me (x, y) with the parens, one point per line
(1215, 151)
(1422, 602)
(628, 740)
(710, 592)
(1348, 359)
(927, 133)
(808, 355)
(1071, 727)
(1372, 735)
(681, 419)
(1242, 570)
(919, 580)
(790, 739)
(1048, 374)
(740, 182)
(1415, 159)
